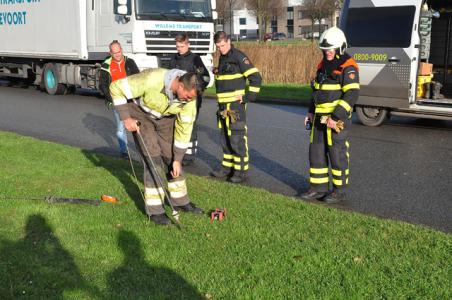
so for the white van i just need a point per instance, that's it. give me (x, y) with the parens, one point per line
(404, 52)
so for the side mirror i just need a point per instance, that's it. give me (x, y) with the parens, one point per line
(122, 7)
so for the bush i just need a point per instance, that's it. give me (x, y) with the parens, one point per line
(292, 63)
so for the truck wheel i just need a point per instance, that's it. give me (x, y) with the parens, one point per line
(372, 116)
(50, 78)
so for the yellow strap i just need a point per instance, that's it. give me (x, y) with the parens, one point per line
(228, 156)
(254, 89)
(231, 94)
(318, 171)
(329, 137)
(318, 180)
(337, 182)
(336, 172)
(327, 87)
(227, 164)
(229, 77)
(250, 71)
(329, 107)
(350, 86)
(344, 104)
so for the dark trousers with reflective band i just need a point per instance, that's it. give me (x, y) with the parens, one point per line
(158, 138)
(328, 152)
(234, 140)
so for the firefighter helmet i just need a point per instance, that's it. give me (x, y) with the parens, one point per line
(333, 38)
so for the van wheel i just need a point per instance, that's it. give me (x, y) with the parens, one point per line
(50, 79)
(372, 116)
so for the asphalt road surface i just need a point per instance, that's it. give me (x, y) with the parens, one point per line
(402, 170)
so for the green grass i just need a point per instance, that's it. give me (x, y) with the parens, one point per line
(268, 247)
(279, 91)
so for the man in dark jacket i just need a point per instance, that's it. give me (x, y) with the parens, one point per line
(234, 71)
(336, 90)
(188, 61)
(116, 66)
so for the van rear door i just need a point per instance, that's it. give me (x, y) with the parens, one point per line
(382, 37)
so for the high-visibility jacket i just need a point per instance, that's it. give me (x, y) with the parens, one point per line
(335, 94)
(234, 68)
(150, 86)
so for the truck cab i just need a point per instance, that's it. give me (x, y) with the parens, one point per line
(403, 49)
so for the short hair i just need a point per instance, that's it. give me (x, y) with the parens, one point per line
(114, 42)
(191, 81)
(220, 36)
(182, 38)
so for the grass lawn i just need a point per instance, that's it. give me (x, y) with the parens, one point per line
(268, 247)
(275, 91)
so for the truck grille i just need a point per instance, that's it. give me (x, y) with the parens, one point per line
(160, 40)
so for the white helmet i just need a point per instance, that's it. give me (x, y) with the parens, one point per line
(333, 38)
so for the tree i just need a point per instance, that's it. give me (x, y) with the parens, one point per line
(225, 10)
(264, 10)
(317, 10)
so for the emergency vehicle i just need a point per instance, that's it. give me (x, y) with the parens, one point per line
(59, 45)
(404, 52)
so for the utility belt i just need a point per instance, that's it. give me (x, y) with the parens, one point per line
(225, 112)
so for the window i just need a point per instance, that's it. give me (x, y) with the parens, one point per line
(243, 33)
(242, 21)
(380, 26)
(290, 13)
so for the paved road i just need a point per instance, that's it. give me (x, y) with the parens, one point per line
(402, 170)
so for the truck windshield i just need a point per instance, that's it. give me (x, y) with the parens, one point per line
(173, 9)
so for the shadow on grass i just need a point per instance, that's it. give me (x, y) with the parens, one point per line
(136, 279)
(123, 172)
(258, 161)
(38, 266)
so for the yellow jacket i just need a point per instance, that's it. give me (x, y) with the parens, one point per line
(149, 86)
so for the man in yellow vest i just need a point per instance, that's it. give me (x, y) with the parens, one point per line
(164, 117)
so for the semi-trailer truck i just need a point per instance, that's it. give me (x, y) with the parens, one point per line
(60, 45)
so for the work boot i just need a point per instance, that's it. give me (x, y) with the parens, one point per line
(124, 155)
(312, 195)
(189, 207)
(160, 219)
(238, 177)
(221, 173)
(334, 197)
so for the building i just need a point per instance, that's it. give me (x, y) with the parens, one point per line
(244, 24)
(295, 22)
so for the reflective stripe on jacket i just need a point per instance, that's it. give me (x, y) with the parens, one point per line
(336, 93)
(149, 85)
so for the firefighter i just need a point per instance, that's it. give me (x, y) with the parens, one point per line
(188, 61)
(335, 92)
(234, 69)
(164, 116)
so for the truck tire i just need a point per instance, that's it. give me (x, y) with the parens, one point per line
(50, 78)
(372, 116)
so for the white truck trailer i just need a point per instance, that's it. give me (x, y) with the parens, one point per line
(59, 45)
(403, 49)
